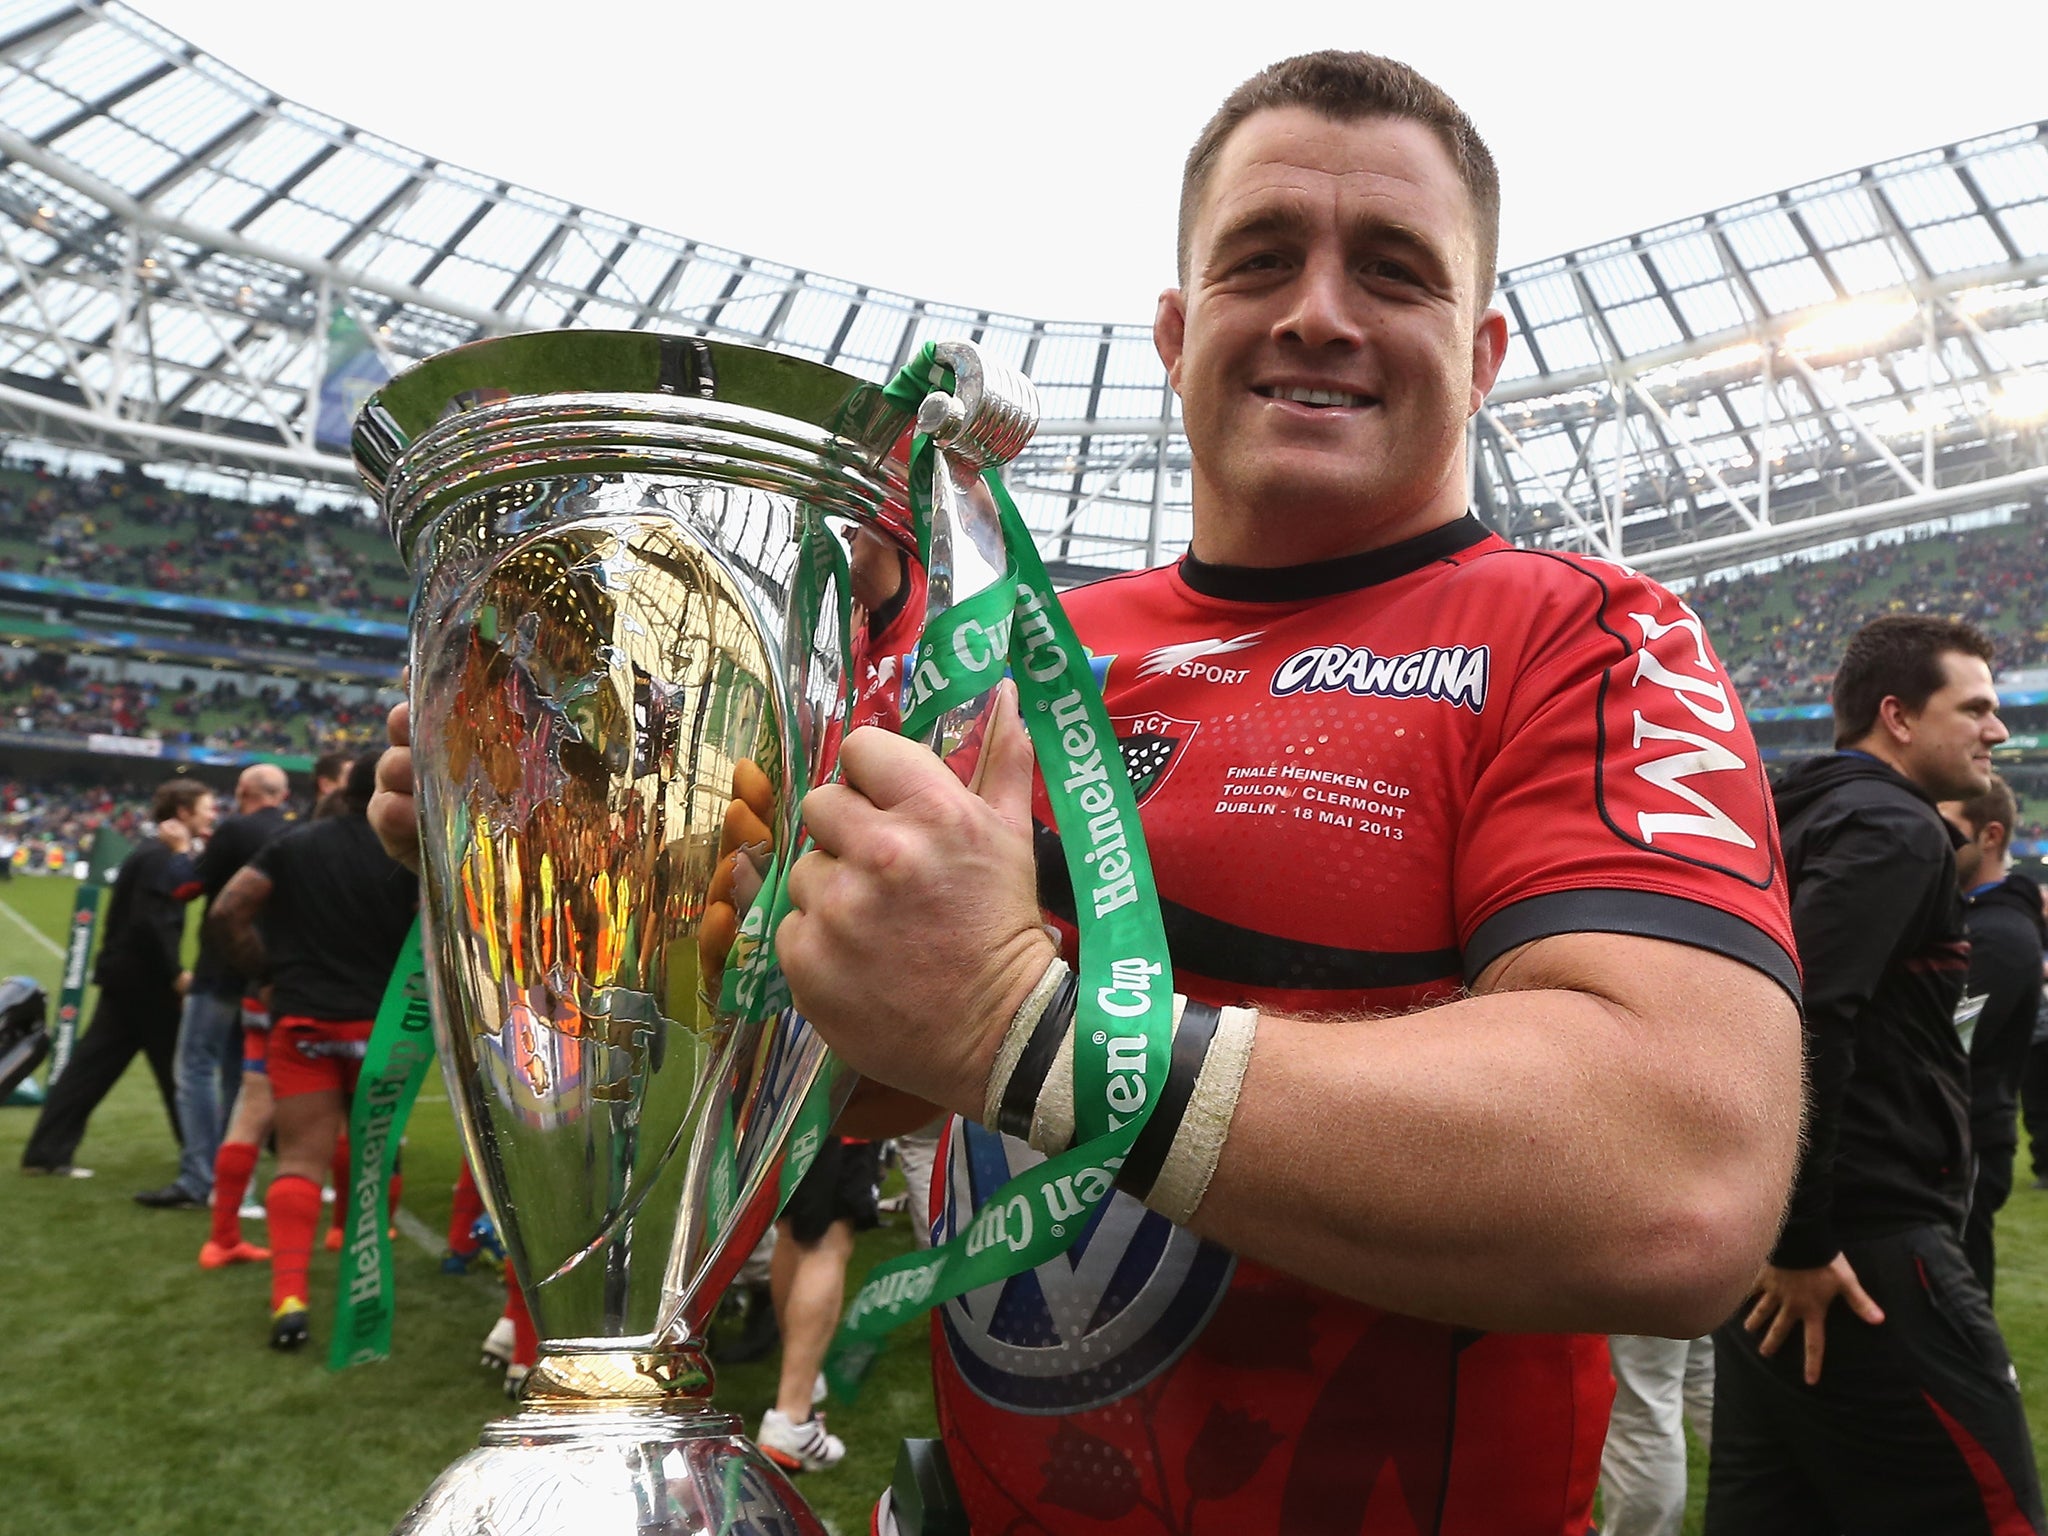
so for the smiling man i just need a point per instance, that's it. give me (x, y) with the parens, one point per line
(1470, 881)
(1866, 1386)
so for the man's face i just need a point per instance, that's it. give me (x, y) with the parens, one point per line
(1328, 348)
(1947, 742)
(200, 815)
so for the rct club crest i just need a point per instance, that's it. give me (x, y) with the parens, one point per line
(1151, 745)
(1085, 1328)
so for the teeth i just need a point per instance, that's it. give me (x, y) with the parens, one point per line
(1319, 397)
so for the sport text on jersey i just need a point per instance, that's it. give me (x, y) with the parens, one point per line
(1190, 659)
(1455, 674)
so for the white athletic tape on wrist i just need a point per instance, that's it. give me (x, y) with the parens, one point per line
(1183, 1179)
(1022, 1026)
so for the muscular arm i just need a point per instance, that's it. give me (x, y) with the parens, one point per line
(231, 922)
(1600, 1141)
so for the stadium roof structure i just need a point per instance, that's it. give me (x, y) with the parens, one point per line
(178, 245)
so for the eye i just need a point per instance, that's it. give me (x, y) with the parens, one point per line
(1387, 269)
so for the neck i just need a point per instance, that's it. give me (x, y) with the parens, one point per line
(1992, 871)
(1885, 751)
(1230, 530)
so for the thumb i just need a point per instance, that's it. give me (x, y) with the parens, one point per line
(1003, 773)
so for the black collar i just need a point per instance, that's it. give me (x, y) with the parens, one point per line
(1326, 578)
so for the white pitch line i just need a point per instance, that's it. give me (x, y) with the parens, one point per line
(412, 1227)
(31, 930)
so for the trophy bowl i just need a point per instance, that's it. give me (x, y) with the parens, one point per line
(628, 661)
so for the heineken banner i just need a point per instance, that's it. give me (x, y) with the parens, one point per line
(401, 1049)
(109, 848)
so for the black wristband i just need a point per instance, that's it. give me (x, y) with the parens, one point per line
(1034, 1062)
(1190, 1049)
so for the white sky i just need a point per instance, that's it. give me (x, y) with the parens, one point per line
(1030, 164)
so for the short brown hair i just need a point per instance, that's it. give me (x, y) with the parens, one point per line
(175, 795)
(1349, 88)
(1897, 656)
(1996, 804)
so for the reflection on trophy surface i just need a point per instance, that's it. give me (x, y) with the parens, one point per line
(623, 660)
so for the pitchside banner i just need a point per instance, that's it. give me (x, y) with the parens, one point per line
(109, 848)
(354, 373)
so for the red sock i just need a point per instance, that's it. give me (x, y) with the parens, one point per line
(397, 1187)
(463, 1213)
(294, 1204)
(339, 1174)
(525, 1341)
(232, 1167)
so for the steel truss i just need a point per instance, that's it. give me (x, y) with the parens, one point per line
(175, 241)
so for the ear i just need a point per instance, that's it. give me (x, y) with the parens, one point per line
(1489, 351)
(1895, 719)
(1170, 333)
(2002, 843)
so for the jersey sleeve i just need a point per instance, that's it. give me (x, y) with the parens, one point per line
(1626, 794)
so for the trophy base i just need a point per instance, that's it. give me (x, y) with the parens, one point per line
(593, 1471)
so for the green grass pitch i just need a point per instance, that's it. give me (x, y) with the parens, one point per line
(136, 1393)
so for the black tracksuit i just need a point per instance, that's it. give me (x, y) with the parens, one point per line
(138, 1008)
(2006, 934)
(1916, 1425)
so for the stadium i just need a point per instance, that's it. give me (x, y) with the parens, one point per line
(1822, 404)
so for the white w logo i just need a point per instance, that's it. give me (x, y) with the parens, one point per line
(1707, 701)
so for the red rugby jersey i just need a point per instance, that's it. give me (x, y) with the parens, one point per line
(1361, 782)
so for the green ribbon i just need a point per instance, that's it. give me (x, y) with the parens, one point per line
(1124, 1006)
(400, 1050)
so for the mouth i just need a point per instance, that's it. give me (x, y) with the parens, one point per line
(1315, 398)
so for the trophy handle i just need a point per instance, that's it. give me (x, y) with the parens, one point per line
(985, 421)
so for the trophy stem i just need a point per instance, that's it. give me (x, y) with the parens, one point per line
(596, 1373)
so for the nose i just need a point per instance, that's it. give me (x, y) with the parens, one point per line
(1995, 731)
(1323, 310)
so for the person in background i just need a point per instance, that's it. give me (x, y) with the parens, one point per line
(321, 913)
(1865, 1385)
(1660, 1386)
(209, 1058)
(141, 979)
(2002, 910)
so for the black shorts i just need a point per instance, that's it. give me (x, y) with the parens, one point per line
(1915, 1427)
(840, 1186)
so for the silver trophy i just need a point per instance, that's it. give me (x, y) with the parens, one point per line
(628, 660)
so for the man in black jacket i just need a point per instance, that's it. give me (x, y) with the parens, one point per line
(209, 1057)
(140, 978)
(1900, 1412)
(2003, 911)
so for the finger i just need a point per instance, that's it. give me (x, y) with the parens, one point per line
(750, 784)
(890, 769)
(1780, 1330)
(1816, 1346)
(742, 826)
(1860, 1302)
(834, 815)
(1002, 776)
(394, 771)
(1765, 1308)
(398, 725)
